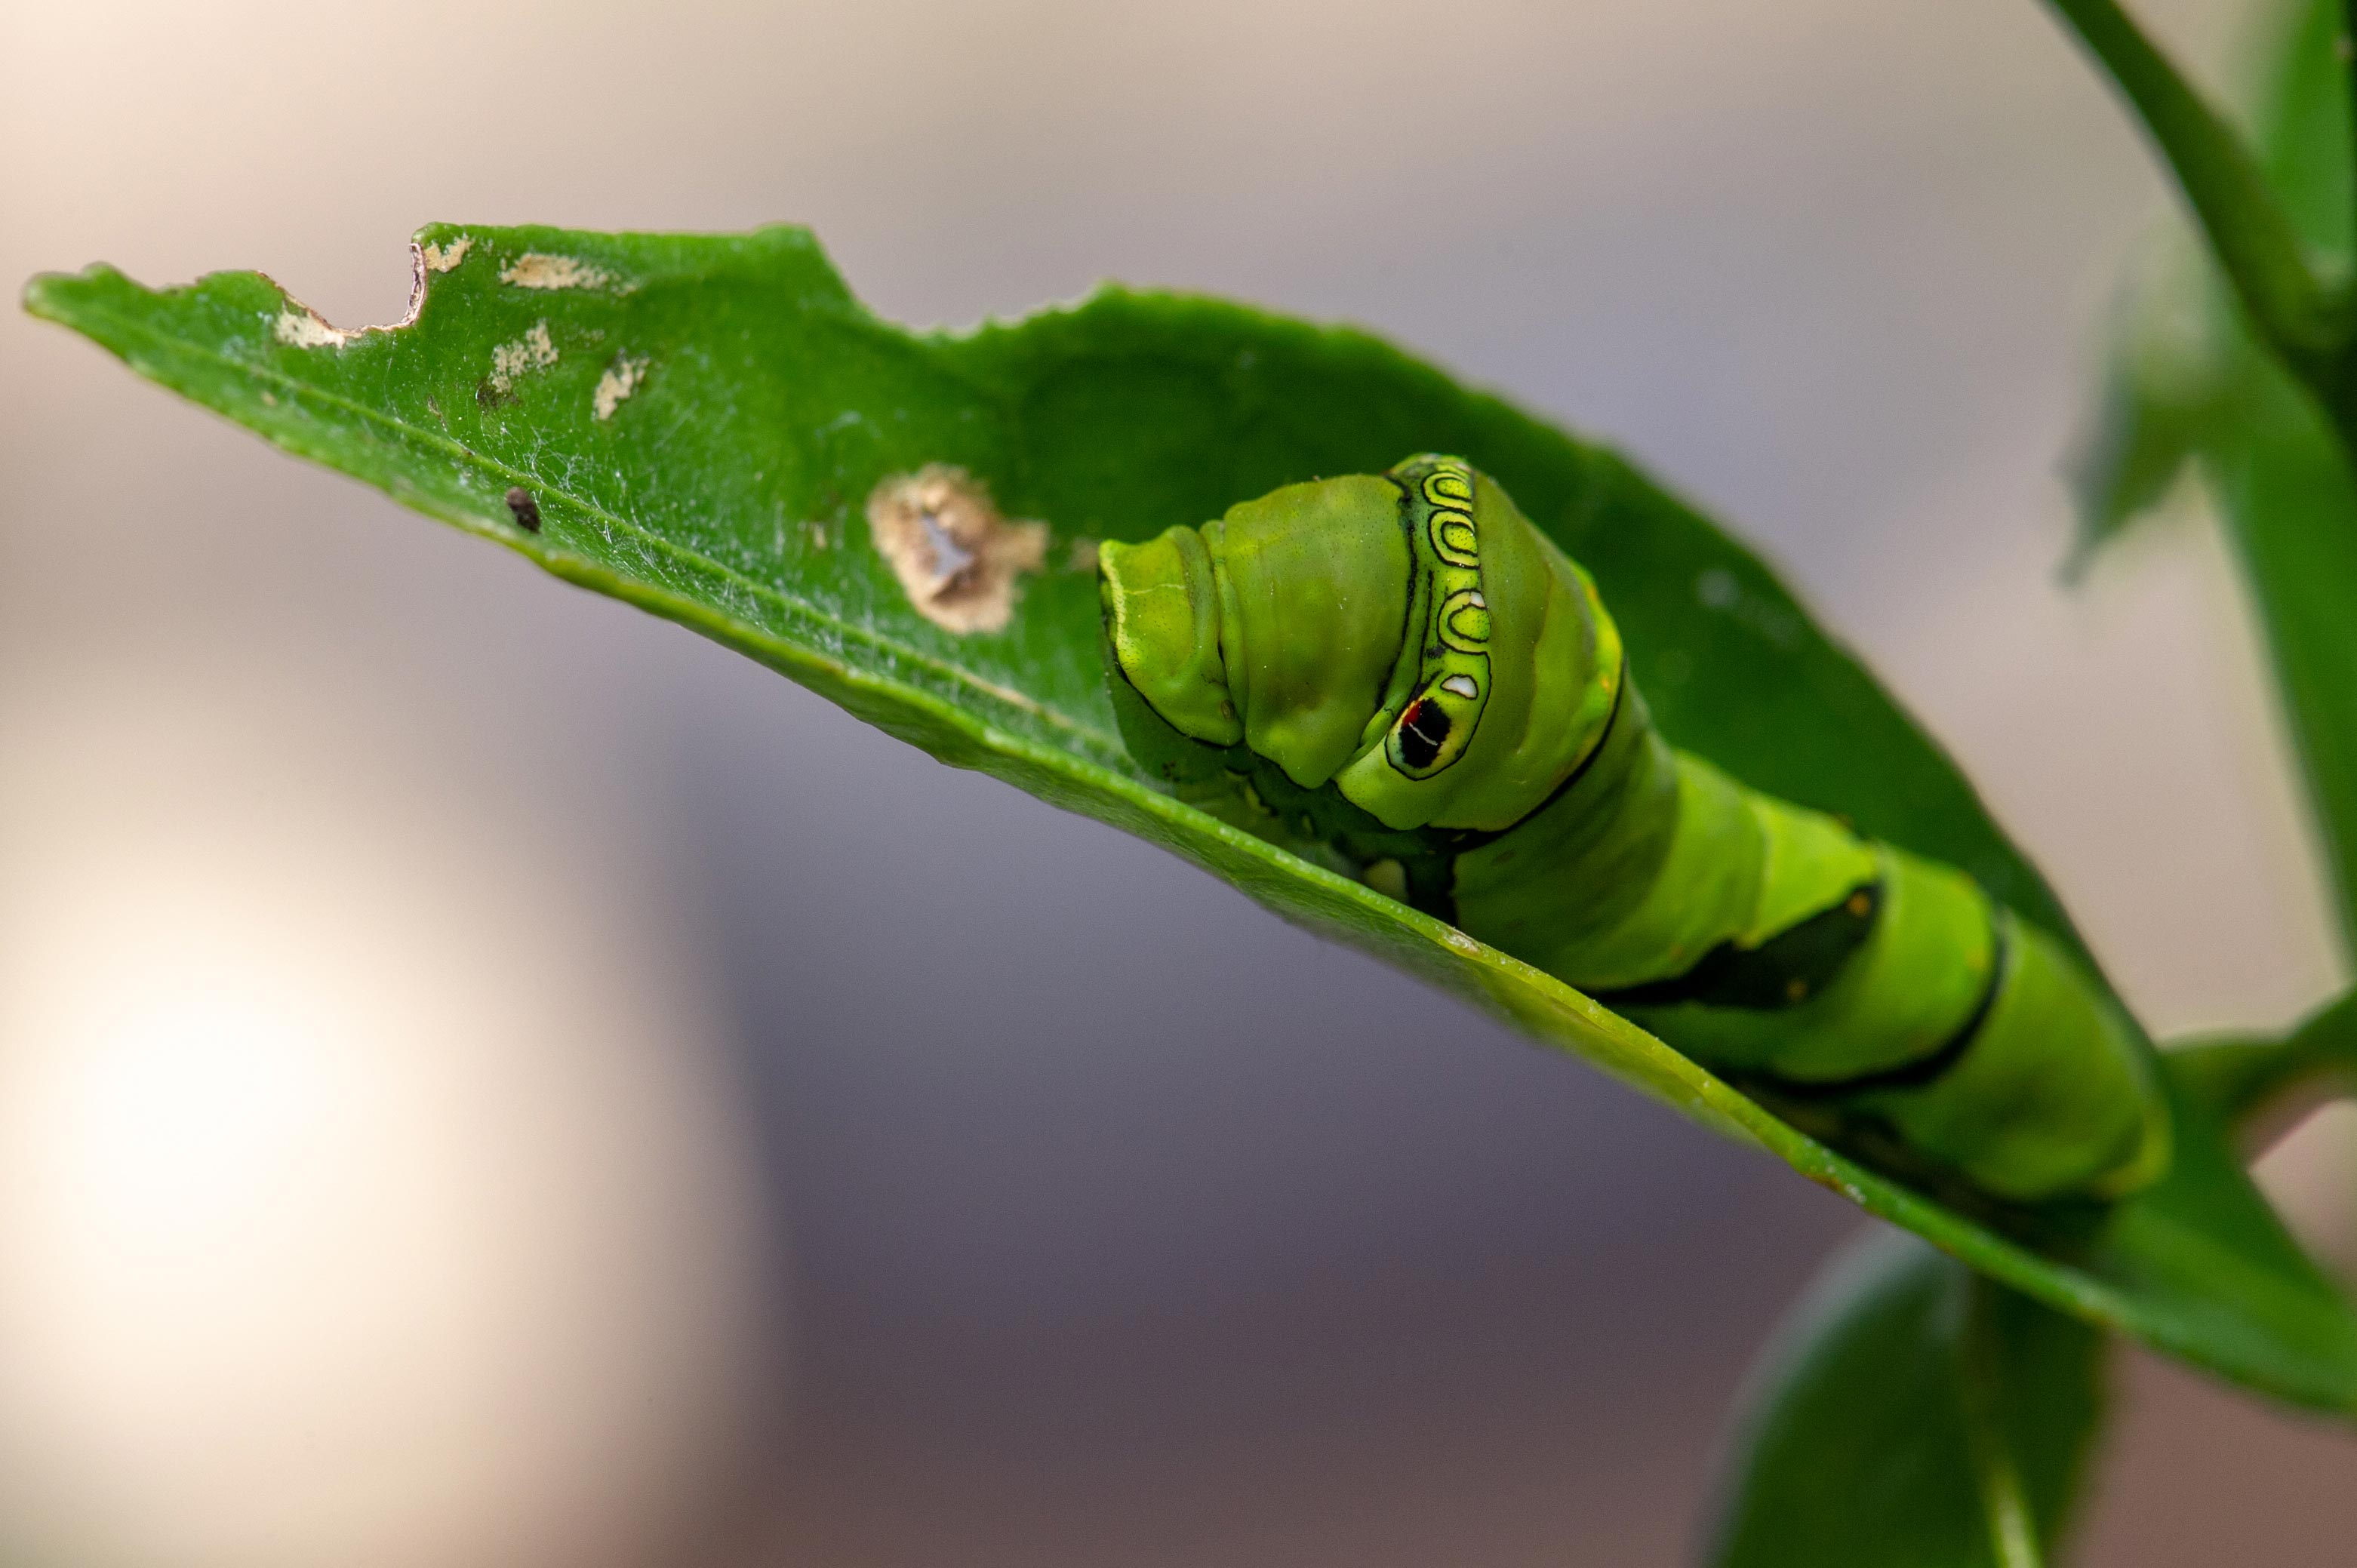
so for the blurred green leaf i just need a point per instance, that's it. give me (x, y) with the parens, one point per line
(2187, 381)
(699, 420)
(1907, 1413)
(2164, 395)
(1884, 1423)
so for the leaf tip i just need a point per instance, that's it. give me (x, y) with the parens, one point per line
(52, 297)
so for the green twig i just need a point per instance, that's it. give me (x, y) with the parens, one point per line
(2240, 1079)
(2253, 239)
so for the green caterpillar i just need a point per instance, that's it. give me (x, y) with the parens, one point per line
(1406, 673)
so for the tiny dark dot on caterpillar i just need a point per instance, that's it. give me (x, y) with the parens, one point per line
(525, 509)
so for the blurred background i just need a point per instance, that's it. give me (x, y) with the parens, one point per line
(487, 1078)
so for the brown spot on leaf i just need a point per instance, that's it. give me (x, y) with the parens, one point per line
(953, 552)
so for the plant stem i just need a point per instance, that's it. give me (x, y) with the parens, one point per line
(2240, 1079)
(2247, 229)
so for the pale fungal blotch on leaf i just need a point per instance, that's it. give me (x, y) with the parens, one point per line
(955, 556)
(535, 270)
(442, 258)
(621, 380)
(302, 328)
(533, 351)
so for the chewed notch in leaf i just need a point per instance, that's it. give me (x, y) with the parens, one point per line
(953, 553)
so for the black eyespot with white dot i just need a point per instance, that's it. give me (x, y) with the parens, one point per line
(1423, 730)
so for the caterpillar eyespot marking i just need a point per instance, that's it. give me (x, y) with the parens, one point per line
(1324, 658)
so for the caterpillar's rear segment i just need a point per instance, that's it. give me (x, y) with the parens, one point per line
(1827, 968)
(1405, 669)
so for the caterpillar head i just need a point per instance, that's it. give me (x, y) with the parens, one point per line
(1277, 626)
(1352, 630)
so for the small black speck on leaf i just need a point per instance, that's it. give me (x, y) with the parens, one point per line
(526, 509)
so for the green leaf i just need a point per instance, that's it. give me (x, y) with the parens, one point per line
(2162, 397)
(727, 490)
(1907, 1413)
(2187, 378)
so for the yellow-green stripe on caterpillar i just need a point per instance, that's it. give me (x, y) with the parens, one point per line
(1401, 669)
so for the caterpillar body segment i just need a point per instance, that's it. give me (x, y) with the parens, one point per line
(1401, 669)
